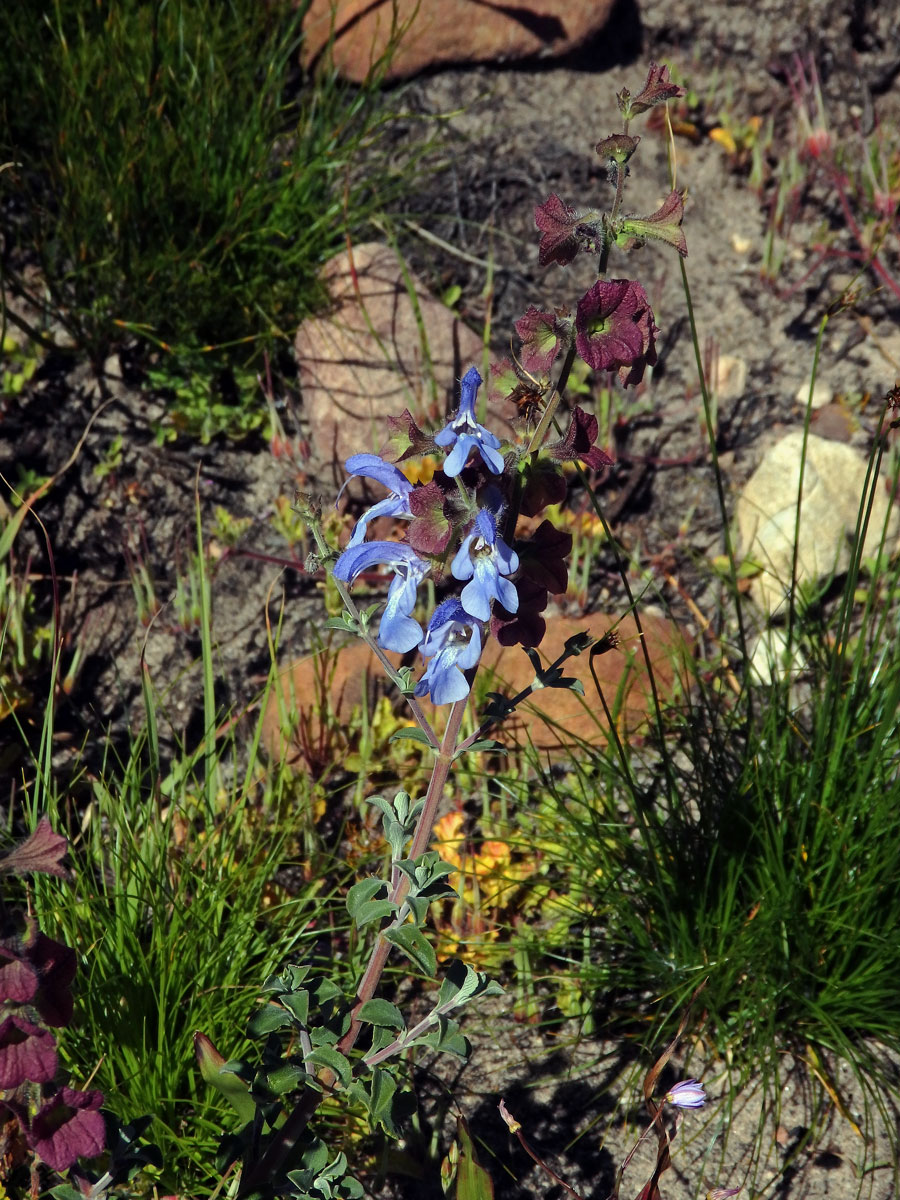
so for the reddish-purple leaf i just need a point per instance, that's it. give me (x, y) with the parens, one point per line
(68, 1127)
(27, 1053)
(429, 530)
(559, 224)
(41, 853)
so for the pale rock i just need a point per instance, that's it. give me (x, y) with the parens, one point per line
(729, 377)
(833, 480)
(821, 394)
(770, 660)
(365, 360)
(446, 31)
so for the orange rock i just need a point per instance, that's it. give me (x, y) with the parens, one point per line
(447, 31)
(554, 719)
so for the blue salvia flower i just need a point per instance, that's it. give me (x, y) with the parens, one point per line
(398, 630)
(485, 559)
(370, 466)
(453, 644)
(464, 433)
(687, 1094)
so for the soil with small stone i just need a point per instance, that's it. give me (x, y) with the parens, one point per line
(509, 138)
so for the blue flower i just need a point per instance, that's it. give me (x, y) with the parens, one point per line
(687, 1094)
(464, 433)
(453, 643)
(485, 558)
(398, 630)
(370, 466)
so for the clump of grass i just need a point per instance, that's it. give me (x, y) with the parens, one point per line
(175, 174)
(752, 845)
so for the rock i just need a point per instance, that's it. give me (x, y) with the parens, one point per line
(821, 394)
(446, 31)
(769, 658)
(365, 360)
(554, 718)
(833, 480)
(728, 377)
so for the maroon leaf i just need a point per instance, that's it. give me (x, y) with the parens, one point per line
(559, 225)
(578, 442)
(429, 530)
(406, 439)
(614, 329)
(27, 1053)
(40, 853)
(56, 965)
(18, 978)
(542, 337)
(543, 557)
(68, 1127)
(525, 627)
(544, 484)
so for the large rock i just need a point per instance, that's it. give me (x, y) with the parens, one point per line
(833, 480)
(366, 359)
(447, 31)
(553, 719)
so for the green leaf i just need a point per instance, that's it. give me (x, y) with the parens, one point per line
(445, 1037)
(412, 734)
(214, 1071)
(382, 1012)
(381, 1103)
(285, 1078)
(297, 1004)
(567, 681)
(472, 1180)
(367, 901)
(326, 1056)
(413, 943)
(267, 1020)
(484, 744)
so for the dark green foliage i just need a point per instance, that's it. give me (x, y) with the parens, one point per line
(176, 173)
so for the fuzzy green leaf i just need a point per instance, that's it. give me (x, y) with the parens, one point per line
(413, 943)
(382, 1012)
(267, 1020)
(326, 1056)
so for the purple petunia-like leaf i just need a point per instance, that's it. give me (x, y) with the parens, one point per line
(559, 225)
(614, 329)
(525, 627)
(430, 530)
(27, 1053)
(406, 439)
(578, 442)
(56, 965)
(41, 853)
(542, 335)
(544, 484)
(67, 1127)
(657, 89)
(18, 978)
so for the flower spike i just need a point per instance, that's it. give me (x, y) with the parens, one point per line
(464, 434)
